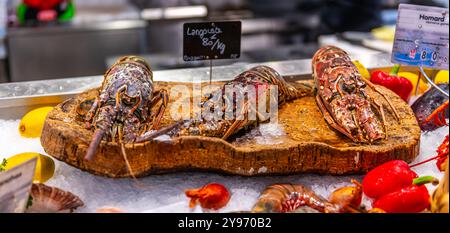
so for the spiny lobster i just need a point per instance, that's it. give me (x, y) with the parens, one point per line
(343, 100)
(260, 78)
(123, 109)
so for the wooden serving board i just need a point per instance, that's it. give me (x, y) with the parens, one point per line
(300, 142)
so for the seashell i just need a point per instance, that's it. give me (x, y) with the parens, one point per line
(47, 199)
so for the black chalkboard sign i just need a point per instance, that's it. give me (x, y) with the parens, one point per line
(211, 40)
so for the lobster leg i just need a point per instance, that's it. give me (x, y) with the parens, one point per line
(435, 115)
(237, 123)
(380, 109)
(107, 116)
(136, 106)
(163, 96)
(377, 90)
(91, 113)
(329, 119)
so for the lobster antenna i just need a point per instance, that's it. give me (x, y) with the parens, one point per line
(96, 139)
(124, 154)
(162, 131)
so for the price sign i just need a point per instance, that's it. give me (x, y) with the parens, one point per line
(421, 36)
(211, 40)
(15, 185)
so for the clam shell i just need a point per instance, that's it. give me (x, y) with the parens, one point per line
(47, 199)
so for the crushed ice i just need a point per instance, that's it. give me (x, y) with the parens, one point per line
(265, 134)
(163, 138)
(165, 193)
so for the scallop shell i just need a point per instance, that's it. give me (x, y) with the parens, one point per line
(48, 199)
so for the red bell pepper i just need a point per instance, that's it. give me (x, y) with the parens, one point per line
(400, 85)
(387, 178)
(411, 199)
(396, 188)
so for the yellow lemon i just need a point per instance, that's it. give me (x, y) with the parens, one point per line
(32, 123)
(362, 69)
(441, 77)
(45, 166)
(423, 85)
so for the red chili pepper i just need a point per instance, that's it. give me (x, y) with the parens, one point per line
(387, 178)
(400, 85)
(411, 199)
(211, 196)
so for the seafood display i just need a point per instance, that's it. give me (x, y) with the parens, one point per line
(259, 79)
(337, 123)
(122, 111)
(431, 109)
(47, 199)
(343, 100)
(282, 198)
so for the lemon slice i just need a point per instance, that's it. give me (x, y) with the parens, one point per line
(32, 123)
(45, 166)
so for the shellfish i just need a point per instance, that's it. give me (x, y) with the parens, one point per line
(46, 199)
(123, 109)
(260, 79)
(341, 96)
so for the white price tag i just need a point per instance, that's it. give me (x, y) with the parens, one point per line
(421, 36)
(15, 185)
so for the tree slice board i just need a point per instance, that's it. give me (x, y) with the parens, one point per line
(300, 142)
